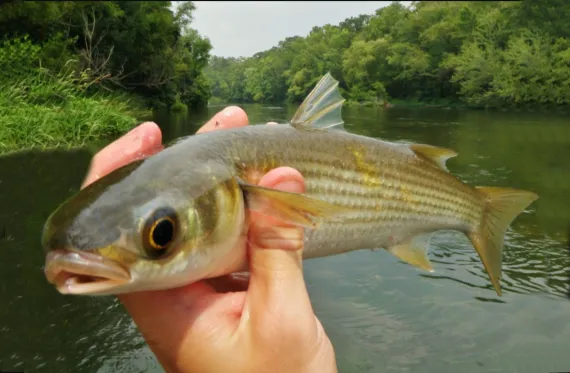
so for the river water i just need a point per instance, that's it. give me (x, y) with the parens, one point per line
(382, 315)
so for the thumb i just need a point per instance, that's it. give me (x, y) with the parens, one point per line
(275, 255)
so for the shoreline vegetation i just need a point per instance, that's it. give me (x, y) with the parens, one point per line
(39, 110)
(470, 54)
(76, 72)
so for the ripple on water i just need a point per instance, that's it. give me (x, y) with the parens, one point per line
(365, 330)
(530, 265)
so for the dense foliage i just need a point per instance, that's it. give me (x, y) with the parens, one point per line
(40, 109)
(483, 54)
(75, 72)
(143, 48)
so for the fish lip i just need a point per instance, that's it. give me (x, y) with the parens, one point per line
(74, 272)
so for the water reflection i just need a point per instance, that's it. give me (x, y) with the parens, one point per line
(381, 314)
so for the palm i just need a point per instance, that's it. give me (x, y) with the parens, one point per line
(232, 323)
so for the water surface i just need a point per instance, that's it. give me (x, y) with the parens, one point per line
(382, 315)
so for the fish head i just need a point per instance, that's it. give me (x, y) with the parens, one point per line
(146, 226)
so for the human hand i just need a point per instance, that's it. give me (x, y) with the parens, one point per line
(216, 325)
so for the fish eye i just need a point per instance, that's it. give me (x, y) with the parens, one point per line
(159, 232)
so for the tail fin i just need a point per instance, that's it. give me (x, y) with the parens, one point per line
(502, 206)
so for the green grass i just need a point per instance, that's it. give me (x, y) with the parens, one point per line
(216, 101)
(38, 110)
(178, 106)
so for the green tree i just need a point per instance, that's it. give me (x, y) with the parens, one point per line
(140, 47)
(484, 54)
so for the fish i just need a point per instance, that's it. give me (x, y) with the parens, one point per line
(181, 215)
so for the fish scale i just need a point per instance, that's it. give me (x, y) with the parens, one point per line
(361, 193)
(324, 160)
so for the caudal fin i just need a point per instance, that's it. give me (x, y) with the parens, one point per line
(502, 206)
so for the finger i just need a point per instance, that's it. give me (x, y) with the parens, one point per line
(275, 257)
(230, 117)
(231, 283)
(267, 228)
(139, 143)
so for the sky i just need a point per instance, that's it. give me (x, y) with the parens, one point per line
(243, 28)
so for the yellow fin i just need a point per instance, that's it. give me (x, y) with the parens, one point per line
(502, 206)
(414, 251)
(322, 107)
(438, 156)
(293, 208)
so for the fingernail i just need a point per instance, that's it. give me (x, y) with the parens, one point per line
(228, 112)
(134, 146)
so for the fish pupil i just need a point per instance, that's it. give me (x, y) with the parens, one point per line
(163, 233)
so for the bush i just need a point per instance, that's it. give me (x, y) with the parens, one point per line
(40, 109)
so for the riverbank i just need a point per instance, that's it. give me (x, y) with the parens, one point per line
(440, 103)
(417, 104)
(447, 104)
(40, 111)
(78, 73)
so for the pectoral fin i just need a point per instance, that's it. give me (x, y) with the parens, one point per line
(414, 251)
(293, 208)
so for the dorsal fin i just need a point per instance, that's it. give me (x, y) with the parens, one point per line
(322, 107)
(436, 155)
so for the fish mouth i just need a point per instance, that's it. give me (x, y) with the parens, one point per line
(83, 273)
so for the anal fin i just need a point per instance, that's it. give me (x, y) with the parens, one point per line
(414, 251)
